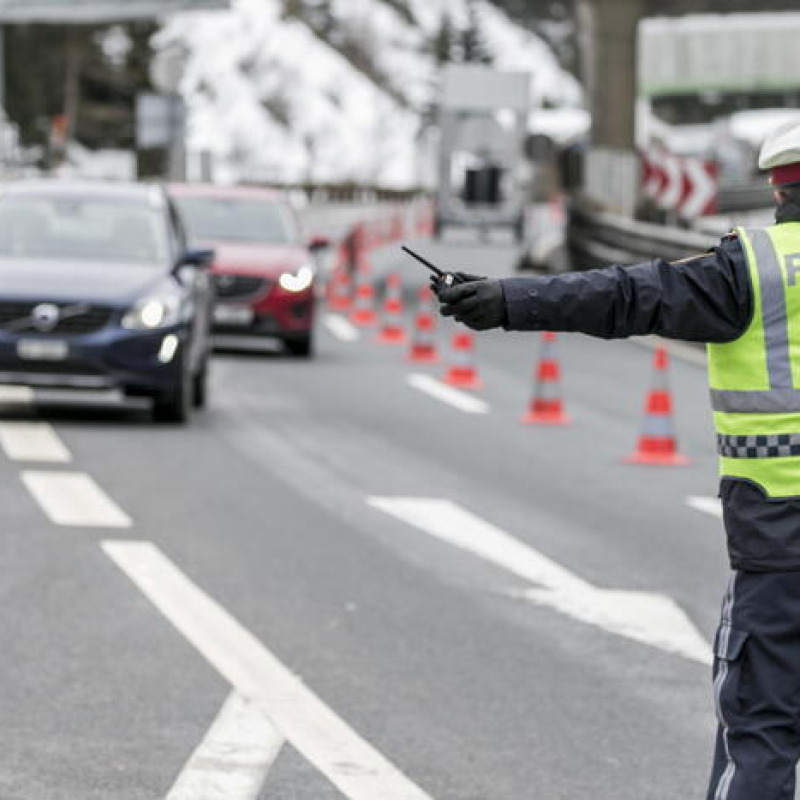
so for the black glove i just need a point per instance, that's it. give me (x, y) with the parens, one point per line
(438, 284)
(480, 305)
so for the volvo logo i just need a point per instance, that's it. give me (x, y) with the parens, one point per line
(226, 281)
(45, 317)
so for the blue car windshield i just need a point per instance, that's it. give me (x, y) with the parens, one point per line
(79, 227)
(231, 219)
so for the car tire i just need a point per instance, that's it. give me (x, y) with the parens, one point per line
(301, 346)
(200, 386)
(175, 405)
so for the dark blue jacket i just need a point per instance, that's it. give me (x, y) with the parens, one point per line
(708, 298)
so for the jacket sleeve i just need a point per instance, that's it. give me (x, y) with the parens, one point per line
(707, 298)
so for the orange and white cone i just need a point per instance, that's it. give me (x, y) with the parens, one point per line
(339, 290)
(363, 314)
(462, 372)
(392, 331)
(547, 405)
(423, 339)
(657, 443)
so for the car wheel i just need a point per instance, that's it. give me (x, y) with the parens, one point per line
(200, 387)
(301, 347)
(175, 405)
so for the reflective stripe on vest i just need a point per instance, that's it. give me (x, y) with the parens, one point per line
(752, 380)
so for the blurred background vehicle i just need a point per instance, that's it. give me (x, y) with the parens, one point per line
(99, 291)
(264, 272)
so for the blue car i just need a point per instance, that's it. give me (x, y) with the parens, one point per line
(98, 290)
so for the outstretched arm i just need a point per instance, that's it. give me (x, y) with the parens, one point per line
(707, 299)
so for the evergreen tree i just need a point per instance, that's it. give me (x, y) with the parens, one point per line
(445, 43)
(474, 48)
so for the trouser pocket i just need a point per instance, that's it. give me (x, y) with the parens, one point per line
(729, 650)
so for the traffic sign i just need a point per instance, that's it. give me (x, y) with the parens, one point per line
(87, 11)
(684, 184)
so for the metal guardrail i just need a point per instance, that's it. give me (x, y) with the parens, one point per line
(598, 238)
(745, 197)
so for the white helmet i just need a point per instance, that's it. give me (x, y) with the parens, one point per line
(780, 154)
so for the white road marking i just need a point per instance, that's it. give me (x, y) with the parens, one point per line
(342, 328)
(32, 441)
(447, 394)
(324, 739)
(707, 505)
(21, 395)
(233, 760)
(653, 619)
(74, 499)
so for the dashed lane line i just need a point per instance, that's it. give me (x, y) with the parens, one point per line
(447, 394)
(235, 757)
(74, 499)
(342, 328)
(19, 395)
(351, 764)
(33, 441)
(652, 619)
(706, 505)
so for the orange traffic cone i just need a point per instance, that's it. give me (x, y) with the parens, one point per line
(339, 290)
(391, 331)
(462, 373)
(423, 341)
(363, 313)
(546, 406)
(657, 444)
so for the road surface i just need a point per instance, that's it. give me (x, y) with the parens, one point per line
(341, 582)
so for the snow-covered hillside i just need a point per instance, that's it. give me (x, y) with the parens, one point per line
(279, 93)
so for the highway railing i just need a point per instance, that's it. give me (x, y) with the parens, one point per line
(597, 238)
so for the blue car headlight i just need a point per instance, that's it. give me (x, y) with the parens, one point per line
(152, 313)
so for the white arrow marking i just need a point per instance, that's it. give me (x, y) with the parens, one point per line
(645, 617)
(349, 762)
(706, 505)
(235, 757)
(702, 185)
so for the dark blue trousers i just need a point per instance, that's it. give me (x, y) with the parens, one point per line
(757, 688)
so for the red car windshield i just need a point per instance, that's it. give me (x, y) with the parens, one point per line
(229, 219)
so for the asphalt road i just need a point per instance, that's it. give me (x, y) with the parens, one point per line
(439, 581)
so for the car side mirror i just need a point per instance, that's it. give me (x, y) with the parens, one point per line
(201, 259)
(318, 243)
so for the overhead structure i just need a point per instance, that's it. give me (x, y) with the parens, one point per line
(483, 117)
(85, 12)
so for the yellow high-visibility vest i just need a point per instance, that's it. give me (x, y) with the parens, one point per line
(755, 380)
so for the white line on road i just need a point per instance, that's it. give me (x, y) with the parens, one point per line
(32, 441)
(653, 619)
(358, 770)
(447, 394)
(74, 499)
(21, 395)
(707, 505)
(342, 328)
(235, 757)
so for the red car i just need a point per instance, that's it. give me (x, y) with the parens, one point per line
(263, 271)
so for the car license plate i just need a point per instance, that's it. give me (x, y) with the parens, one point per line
(233, 315)
(42, 350)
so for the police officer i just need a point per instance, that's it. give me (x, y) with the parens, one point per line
(742, 299)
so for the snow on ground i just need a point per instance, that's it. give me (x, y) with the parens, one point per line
(273, 101)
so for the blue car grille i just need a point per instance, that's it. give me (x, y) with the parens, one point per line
(234, 287)
(77, 319)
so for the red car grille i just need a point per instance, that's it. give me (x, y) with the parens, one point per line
(238, 287)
